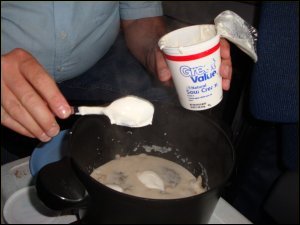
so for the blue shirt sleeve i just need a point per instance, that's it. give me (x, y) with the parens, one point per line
(142, 9)
(67, 37)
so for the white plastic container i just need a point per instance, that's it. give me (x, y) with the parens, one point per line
(193, 56)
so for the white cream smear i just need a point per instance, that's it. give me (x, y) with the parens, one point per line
(149, 177)
(205, 32)
(130, 111)
(151, 180)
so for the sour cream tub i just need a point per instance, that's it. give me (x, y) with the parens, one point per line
(193, 56)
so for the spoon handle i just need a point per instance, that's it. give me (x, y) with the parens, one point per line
(88, 110)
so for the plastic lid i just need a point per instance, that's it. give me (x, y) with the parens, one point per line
(49, 152)
(24, 207)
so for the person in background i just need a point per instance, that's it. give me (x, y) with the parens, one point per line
(54, 52)
(268, 152)
(274, 99)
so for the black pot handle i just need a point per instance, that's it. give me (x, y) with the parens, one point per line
(59, 188)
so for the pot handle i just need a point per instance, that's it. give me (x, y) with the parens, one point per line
(59, 188)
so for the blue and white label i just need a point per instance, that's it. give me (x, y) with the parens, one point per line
(199, 83)
(200, 73)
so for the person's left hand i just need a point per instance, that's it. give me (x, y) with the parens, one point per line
(164, 74)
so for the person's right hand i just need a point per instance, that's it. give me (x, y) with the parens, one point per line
(30, 99)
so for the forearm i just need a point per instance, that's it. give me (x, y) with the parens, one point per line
(142, 36)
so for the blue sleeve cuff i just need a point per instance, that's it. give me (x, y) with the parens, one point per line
(138, 10)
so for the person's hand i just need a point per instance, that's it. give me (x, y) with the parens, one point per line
(30, 99)
(142, 36)
(226, 66)
(164, 74)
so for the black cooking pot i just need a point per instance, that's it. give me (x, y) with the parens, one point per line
(185, 137)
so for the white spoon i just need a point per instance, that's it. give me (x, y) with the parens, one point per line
(129, 111)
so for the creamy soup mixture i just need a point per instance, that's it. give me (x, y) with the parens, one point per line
(148, 176)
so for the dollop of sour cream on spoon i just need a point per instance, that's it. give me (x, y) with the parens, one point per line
(129, 111)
